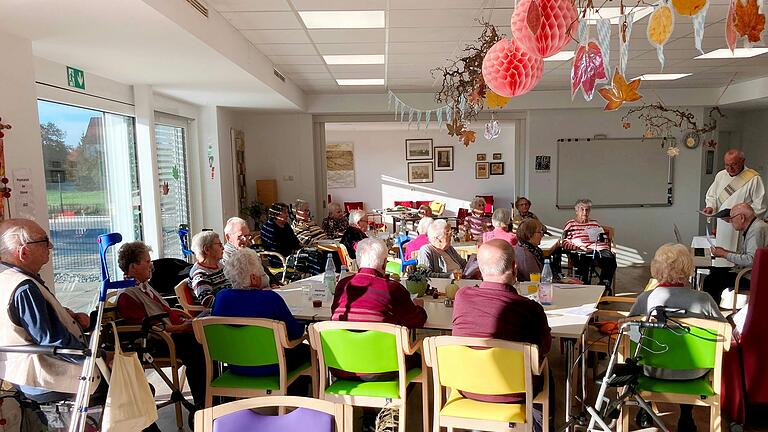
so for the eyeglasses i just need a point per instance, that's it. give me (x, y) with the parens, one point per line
(45, 240)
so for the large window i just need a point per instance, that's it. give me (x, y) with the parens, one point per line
(92, 189)
(170, 138)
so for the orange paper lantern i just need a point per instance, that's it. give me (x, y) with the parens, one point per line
(509, 70)
(544, 27)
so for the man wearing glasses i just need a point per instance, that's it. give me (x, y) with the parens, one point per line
(735, 184)
(33, 316)
(753, 234)
(237, 235)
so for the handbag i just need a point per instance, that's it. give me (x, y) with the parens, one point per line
(130, 406)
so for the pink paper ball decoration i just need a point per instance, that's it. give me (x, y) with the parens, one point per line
(509, 70)
(547, 30)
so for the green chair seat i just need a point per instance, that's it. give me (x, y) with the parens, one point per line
(382, 389)
(698, 387)
(269, 382)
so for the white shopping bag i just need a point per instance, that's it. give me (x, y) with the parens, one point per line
(130, 405)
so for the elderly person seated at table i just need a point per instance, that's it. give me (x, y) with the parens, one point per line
(306, 230)
(335, 224)
(425, 211)
(672, 266)
(494, 309)
(475, 224)
(523, 207)
(528, 254)
(584, 240)
(413, 246)
(358, 225)
(250, 297)
(439, 256)
(276, 233)
(206, 277)
(141, 301)
(238, 236)
(500, 222)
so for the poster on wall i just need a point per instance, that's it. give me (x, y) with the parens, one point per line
(543, 163)
(238, 150)
(340, 165)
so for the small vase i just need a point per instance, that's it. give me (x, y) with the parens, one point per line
(416, 287)
(451, 290)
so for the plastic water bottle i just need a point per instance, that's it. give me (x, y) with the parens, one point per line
(329, 278)
(545, 290)
(343, 272)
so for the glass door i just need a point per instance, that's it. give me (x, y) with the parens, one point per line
(172, 172)
(92, 189)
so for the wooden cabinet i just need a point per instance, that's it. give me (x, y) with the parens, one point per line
(266, 191)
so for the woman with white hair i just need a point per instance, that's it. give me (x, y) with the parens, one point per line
(439, 256)
(500, 221)
(248, 298)
(476, 223)
(413, 246)
(581, 245)
(335, 224)
(358, 225)
(206, 277)
(304, 227)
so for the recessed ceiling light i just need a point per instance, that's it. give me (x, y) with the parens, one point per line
(662, 77)
(360, 82)
(561, 56)
(725, 53)
(342, 19)
(614, 13)
(354, 59)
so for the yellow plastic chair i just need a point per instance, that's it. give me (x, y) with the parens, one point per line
(437, 208)
(501, 367)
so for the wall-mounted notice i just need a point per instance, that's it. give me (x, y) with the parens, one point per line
(23, 194)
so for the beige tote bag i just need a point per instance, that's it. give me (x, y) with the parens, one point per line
(130, 405)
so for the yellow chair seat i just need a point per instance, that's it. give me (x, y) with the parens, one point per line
(459, 406)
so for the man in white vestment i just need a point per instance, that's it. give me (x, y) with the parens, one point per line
(735, 184)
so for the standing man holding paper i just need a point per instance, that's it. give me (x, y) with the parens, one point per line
(735, 184)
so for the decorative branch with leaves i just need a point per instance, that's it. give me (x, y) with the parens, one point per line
(659, 120)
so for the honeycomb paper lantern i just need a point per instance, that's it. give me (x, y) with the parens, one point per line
(544, 26)
(509, 70)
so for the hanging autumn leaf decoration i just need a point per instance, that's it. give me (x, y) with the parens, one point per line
(493, 100)
(619, 92)
(689, 7)
(468, 136)
(533, 19)
(587, 69)
(748, 22)
(730, 28)
(455, 128)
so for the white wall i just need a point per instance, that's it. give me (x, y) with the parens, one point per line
(381, 168)
(753, 139)
(18, 107)
(639, 231)
(280, 147)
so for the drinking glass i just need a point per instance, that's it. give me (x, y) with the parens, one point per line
(535, 277)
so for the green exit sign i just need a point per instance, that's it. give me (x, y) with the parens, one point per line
(75, 78)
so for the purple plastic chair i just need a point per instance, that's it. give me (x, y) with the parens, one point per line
(299, 420)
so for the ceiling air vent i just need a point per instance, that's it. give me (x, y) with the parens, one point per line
(279, 75)
(199, 6)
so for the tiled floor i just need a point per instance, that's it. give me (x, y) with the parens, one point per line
(628, 280)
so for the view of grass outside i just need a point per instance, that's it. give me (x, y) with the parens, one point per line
(88, 203)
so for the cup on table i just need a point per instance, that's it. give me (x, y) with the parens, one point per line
(457, 275)
(535, 277)
(306, 291)
(317, 303)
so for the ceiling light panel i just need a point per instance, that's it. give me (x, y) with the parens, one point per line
(561, 56)
(725, 53)
(614, 13)
(342, 19)
(662, 77)
(361, 82)
(356, 59)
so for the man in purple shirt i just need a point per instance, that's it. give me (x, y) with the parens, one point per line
(495, 310)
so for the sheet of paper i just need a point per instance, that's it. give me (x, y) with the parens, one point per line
(699, 242)
(584, 310)
(593, 233)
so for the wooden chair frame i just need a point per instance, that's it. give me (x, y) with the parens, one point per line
(204, 418)
(281, 344)
(532, 367)
(734, 302)
(599, 344)
(723, 343)
(181, 291)
(282, 259)
(403, 349)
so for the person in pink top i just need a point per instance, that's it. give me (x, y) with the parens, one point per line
(413, 246)
(500, 222)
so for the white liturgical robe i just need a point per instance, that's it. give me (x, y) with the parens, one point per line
(752, 192)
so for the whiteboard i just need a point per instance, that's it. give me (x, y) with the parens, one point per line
(630, 172)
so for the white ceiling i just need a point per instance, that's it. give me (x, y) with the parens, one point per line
(421, 34)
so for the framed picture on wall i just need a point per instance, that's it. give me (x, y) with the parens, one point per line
(420, 172)
(481, 157)
(497, 156)
(444, 158)
(497, 168)
(418, 149)
(543, 163)
(481, 170)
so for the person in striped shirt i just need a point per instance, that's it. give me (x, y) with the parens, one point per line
(206, 277)
(583, 240)
(307, 231)
(476, 223)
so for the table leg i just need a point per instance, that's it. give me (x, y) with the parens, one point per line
(568, 346)
(584, 369)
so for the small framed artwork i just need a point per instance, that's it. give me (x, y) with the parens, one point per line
(444, 158)
(481, 157)
(710, 166)
(497, 168)
(418, 149)
(481, 170)
(543, 163)
(420, 172)
(497, 156)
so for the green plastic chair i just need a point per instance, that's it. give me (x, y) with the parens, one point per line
(248, 342)
(367, 348)
(701, 348)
